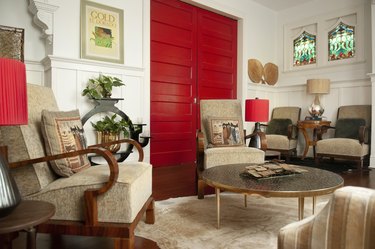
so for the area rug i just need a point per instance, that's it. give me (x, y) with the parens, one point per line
(189, 223)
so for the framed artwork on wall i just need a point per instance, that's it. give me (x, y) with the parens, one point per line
(102, 32)
(12, 43)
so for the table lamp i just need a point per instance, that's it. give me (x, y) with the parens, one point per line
(317, 87)
(13, 111)
(256, 110)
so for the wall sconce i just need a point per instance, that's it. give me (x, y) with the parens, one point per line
(317, 87)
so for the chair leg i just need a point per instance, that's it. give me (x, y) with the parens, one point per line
(201, 186)
(120, 243)
(150, 213)
(317, 160)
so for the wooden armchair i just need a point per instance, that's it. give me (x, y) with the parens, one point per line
(106, 200)
(351, 135)
(219, 147)
(281, 131)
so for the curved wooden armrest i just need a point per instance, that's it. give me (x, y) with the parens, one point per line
(292, 131)
(362, 134)
(90, 195)
(200, 150)
(120, 141)
(320, 130)
(263, 139)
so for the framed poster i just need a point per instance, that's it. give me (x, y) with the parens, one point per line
(102, 32)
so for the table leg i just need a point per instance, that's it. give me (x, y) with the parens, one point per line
(31, 238)
(313, 204)
(301, 207)
(245, 199)
(217, 190)
(304, 132)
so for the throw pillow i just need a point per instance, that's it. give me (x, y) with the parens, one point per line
(225, 131)
(278, 126)
(63, 132)
(348, 127)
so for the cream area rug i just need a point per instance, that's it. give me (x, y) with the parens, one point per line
(189, 223)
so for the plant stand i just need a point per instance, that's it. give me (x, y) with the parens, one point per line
(109, 105)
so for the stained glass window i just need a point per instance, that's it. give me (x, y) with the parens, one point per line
(304, 49)
(341, 42)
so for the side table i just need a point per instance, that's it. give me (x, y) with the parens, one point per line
(26, 216)
(304, 125)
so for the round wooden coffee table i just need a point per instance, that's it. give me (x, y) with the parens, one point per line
(312, 183)
(26, 216)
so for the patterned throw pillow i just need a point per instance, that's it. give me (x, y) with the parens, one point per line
(63, 132)
(225, 131)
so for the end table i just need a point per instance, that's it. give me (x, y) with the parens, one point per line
(26, 216)
(303, 125)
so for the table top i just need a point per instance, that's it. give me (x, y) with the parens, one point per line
(314, 182)
(26, 215)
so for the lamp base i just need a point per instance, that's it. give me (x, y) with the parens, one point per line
(10, 195)
(316, 110)
(255, 139)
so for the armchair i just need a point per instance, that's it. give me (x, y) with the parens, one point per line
(281, 130)
(107, 200)
(346, 222)
(351, 135)
(221, 139)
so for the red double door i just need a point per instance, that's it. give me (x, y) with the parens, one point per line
(193, 57)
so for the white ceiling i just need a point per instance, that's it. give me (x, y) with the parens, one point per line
(279, 5)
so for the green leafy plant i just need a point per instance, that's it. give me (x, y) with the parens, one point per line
(101, 87)
(112, 125)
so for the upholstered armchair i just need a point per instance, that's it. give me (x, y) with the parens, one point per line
(222, 138)
(351, 135)
(104, 200)
(346, 222)
(281, 131)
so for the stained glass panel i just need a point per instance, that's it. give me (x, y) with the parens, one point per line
(341, 42)
(304, 49)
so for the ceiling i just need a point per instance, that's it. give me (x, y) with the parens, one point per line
(278, 5)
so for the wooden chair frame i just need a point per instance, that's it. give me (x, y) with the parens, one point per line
(123, 233)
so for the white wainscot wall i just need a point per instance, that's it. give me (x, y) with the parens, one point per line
(342, 93)
(68, 77)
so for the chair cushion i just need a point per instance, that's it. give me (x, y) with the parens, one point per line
(342, 146)
(63, 132)
(348, 127)
(230, 155)
(121, 204)
(225, 131)
(280, 142)
(278, 126)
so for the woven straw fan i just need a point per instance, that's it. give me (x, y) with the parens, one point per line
(255, 70)
(271, 73)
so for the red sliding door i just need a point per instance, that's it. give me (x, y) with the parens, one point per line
(192, 58)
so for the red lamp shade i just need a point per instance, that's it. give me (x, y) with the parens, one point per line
(256, 110)
(13, 95)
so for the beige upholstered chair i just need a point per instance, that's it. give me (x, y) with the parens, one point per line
(105, 200)
(346, 222)
(281, 130)
(221, 140)
(351, 137)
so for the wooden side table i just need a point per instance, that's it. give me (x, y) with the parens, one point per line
(304, 125)
(26, 216)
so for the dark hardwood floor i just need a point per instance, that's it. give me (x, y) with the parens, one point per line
(168, 182)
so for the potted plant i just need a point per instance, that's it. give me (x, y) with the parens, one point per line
(109, 129)
(101, 87)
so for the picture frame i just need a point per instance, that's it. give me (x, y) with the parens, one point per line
(12, 43)
(102, 32)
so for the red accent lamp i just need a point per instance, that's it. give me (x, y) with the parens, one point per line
(256, 110)
(13, 111)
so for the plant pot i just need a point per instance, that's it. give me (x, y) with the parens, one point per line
(105, 136)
